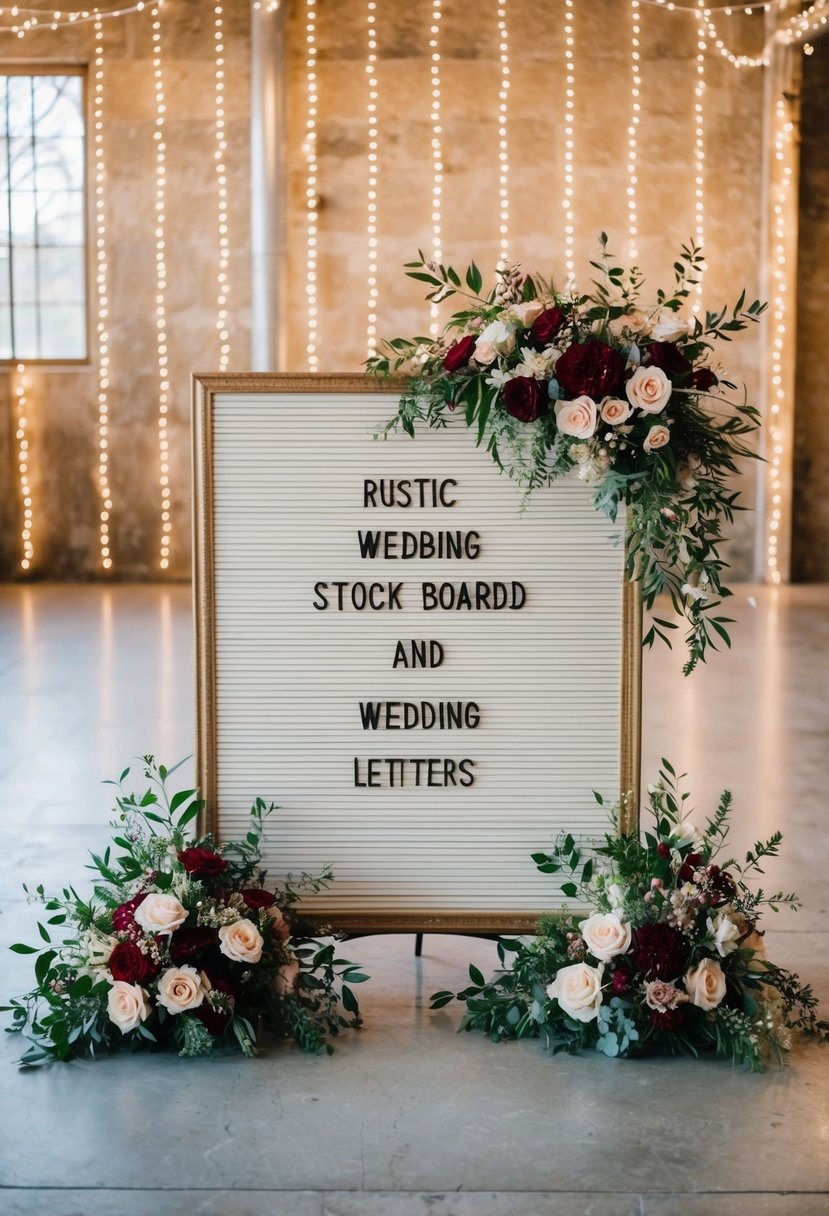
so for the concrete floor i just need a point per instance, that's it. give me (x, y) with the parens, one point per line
(406, 1118)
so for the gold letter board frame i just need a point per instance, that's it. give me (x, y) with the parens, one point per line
(289, 481)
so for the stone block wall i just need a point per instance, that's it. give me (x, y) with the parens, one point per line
(63, 403)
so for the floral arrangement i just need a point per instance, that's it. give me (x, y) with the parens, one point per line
(670, 957)
(181, 945)
(625, 392)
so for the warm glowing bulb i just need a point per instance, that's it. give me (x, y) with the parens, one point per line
(437, 156)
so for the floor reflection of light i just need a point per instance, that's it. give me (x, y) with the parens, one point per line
(769, 807)
(30, 679)
(166, 678)
(106, 680)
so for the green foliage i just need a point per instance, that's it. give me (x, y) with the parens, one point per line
(677, 498)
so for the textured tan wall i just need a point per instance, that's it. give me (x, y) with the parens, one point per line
(64, 439)
(810, 526)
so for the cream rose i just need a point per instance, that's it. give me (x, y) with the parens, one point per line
(286, 980)
(662, 996)
(649, 389)
(668, 326)
(605, 935)
(656, 437)
(241, 941)
(526, 313)
(578, 990)
(706, 984)
(497, 338)
(182, 988)
(127, 1005)
(160, 913)
(615, 411)
(578, 417)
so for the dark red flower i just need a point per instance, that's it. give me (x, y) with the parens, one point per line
(215, 1020)
(663, 850)
(127, 962)
(659, 951)
(524, 398)
(703, 379)
(546, 325)
(667, 1019)
(723, 886)
(692, 862)
(591, 369)
(668, 357)
(123, 918)
(621, 982)
(203, 863)
(186, 944)
(459, 354)
(257, 897)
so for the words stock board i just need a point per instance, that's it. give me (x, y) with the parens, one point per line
(427, 680)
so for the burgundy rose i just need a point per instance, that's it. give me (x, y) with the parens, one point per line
(127, 962)
(123, 918)
(215, 1020)
(663, 850)
(459, 354)
(692, 862)
(668, 357)
(185, 944)
(591, 369)
(667, 1019)
(703, 379)
(257, 897)
(203, 863)
(659, 951)
(524, 398)
(546, 325)
(621, 982)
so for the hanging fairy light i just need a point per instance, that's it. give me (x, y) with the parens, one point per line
(311, 195)
(699, 145)
(569, 143)
(22, 420)
(437, 153)
(38, 19)
(633, 129)
(503, 136)
(161, 292)
(371, 220)
(801, 25)
(101, 299)
(777, 388)
(221, 183)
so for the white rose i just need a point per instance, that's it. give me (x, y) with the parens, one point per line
(286, 980)
(605, 935)
(725, 933)
(578, 990)
(615, 411)
(649, 389)
(578, 418)
(706, 984)
(498, 338)
(241, 941)
(181, 988)
(127, 1005)
(525, 314)
(669, 326)
(98, 947)
(656, 437)
(160, 913)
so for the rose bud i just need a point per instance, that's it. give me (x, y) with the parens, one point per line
(524, 398)
(546, 325)
(459, 354)
(703, 379)
(663, 850)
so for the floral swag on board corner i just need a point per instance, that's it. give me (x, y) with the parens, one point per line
(623, 391)
(181, 946)
(667, 954)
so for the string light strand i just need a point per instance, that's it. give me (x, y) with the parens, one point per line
(699, 146)
(503, 137)
(101, 300)
(633, 129)
(437, 152)
(40, 20)
(569, 143)
(159, 136)
(311, 195)
(22, 419)
(222, 286)
(371, 207)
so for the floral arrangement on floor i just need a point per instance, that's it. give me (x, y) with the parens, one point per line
(626, 392)
(181, 945)
(670, 957)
